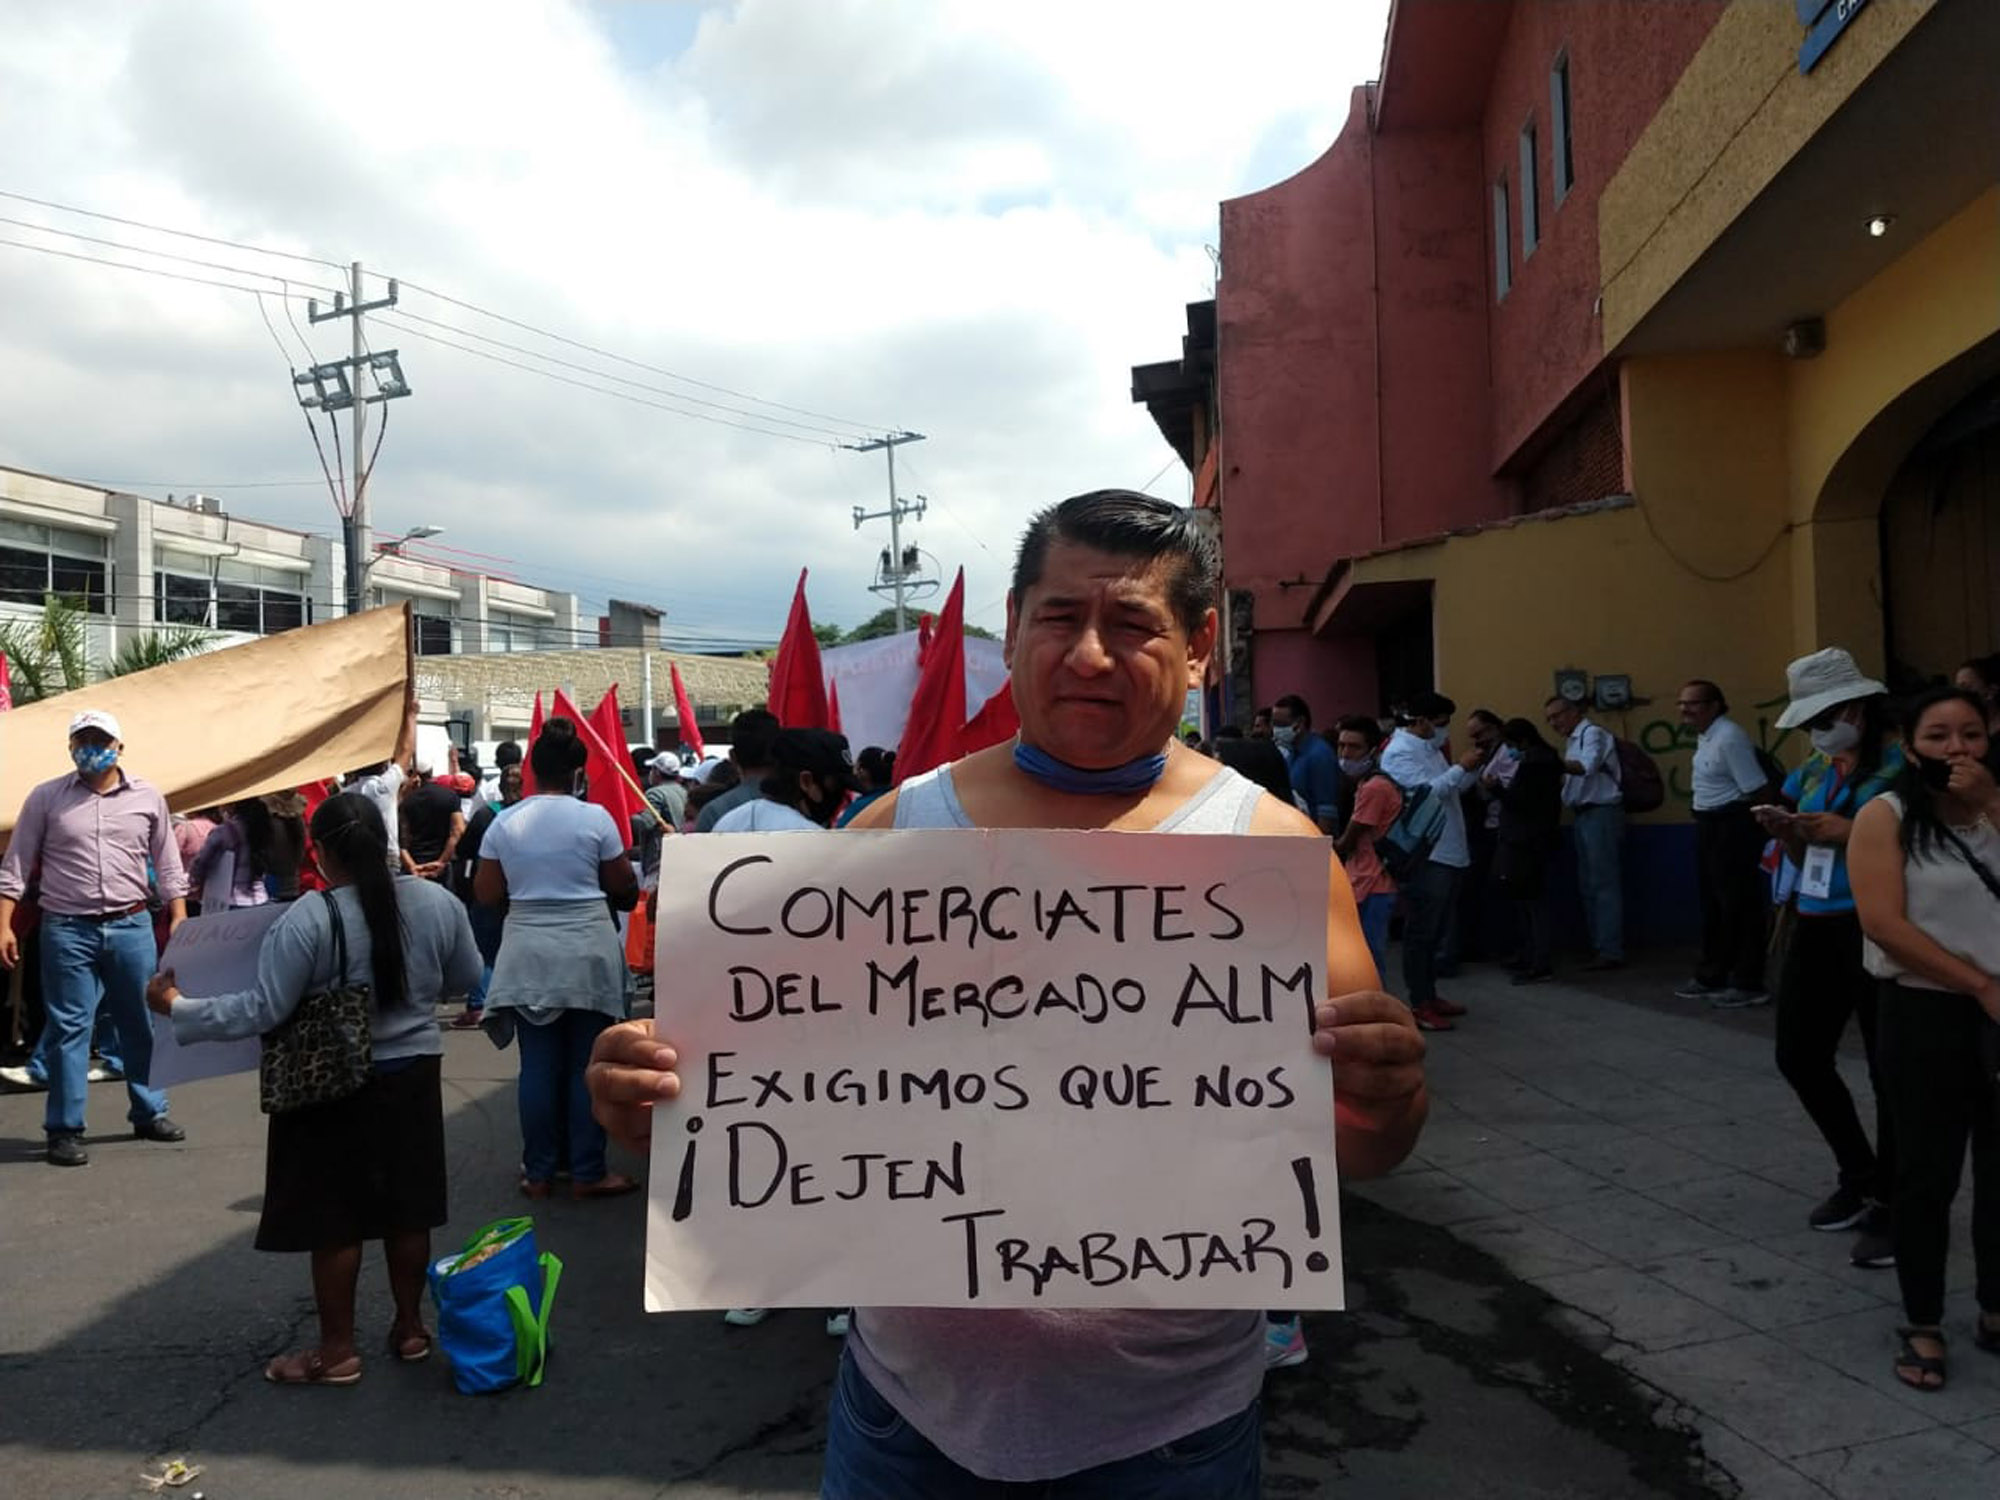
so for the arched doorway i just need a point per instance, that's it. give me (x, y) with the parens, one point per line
(1941, 544)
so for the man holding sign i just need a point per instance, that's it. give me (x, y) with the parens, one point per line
(1135, 1389)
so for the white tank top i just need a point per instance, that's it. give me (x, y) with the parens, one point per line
(1944, 896)
(1031, 1395)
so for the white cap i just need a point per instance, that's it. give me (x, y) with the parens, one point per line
(666, 765)
(95, 718)
(423, 765)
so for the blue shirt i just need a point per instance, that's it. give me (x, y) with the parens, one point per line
(1316, 776)
(1818, 786)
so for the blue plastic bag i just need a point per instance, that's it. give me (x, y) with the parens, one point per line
(494, 1298)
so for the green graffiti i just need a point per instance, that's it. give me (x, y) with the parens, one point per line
(1672, 744)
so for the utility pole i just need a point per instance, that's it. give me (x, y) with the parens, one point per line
(897, 573)
(339, 385)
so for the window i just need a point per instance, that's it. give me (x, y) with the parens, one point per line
(1503, 267)
(433, 635)
(1531, 202)
(507, 632)
(1562, 160)
(37, 561)
(244, 599)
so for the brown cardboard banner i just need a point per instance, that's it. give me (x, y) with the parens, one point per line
(261, 717)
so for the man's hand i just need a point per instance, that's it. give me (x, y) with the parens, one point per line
(10, 947)
(630, 1071)
(1377, 1051)
(161, 992)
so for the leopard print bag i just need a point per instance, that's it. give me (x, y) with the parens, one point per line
(324, 1050)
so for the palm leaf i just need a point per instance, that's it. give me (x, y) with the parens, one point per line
(159, 648)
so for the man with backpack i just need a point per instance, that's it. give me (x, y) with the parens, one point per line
(1428, 842)
(1596, 800)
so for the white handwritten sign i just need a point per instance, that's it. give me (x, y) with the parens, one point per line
(211, 955)
(993, 1069)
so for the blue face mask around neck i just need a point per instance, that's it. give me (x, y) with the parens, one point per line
(1060, 776)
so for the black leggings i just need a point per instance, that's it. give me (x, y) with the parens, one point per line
(1938, 1062)
(1823, 984)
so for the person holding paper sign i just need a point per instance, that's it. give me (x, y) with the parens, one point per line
(369, 1166)
(1110, 622)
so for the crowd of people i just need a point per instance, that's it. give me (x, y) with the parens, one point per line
(1864, 875)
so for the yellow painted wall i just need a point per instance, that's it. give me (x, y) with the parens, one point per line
(1740, 112)
(1597, 591)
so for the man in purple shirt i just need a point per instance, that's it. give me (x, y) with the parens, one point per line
(94, 834)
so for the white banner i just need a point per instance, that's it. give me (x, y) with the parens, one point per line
(994, 1069)
(214, 954)
(877, 680)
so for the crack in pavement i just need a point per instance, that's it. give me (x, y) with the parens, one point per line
(802, 1417)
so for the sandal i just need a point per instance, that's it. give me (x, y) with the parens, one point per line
(412, 1350)
(311, 1368)
(1920, 1372)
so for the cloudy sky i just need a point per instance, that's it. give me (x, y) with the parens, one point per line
(959, 217)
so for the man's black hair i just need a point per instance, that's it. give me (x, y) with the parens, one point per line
(507, 753)
(751, 736)
(1484, 716)
(1126, 523)
(1432, 706)
(1710, 690)
(1369, 729)
(1296, 706)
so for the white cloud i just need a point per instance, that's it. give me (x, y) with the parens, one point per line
(965, 218)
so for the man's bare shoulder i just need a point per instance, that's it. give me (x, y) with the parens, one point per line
(1273, 817)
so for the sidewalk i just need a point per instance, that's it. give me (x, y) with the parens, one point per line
(1639, 1160)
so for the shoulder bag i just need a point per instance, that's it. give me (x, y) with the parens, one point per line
(1989, 1034)
(324, 1050)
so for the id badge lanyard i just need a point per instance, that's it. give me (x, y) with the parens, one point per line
(1816, 873)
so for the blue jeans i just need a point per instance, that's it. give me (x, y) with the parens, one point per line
(1375, 913)
(85, 966)
(102, 1043)
(872, 1453)
(1600, 876)
(1427, 903)
(554, 1101)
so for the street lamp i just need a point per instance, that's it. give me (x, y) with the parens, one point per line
(392, 549)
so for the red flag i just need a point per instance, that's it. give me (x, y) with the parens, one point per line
(833, 707)
(6, 685)
(798, 687)
(995, 723)
(534, 733)
(684, 713)
(607, 766)
(937, 712)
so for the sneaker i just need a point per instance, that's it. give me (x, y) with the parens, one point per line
(102, 1072)
(1446, 1007)
(19, 1080)
(1740, 999)
(1284, 1344)
(1695, 989)
(1843, 1210)
(1875, 1247)
(1430, 1018)
(746, 1317)
(66, 1150)
(837, 1323)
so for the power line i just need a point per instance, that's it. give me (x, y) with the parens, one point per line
(949, 514)
(637, 364)
(186, 234)
(98, 260)
(600, 390)
(186, 260)
(831, 432)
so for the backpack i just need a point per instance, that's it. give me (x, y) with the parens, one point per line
(1640, 784)
(1404, 847)
(1773, 769)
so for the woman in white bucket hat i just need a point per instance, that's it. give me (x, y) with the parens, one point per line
(1822, 982)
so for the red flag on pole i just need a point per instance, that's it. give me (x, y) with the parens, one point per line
(798, 687)
(937, 712)
(527, 758)
(6, 685)
(995, 723)
(608, 766)
(684, 713)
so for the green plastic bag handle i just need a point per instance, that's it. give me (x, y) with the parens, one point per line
(500, 1231)
(531, 1333)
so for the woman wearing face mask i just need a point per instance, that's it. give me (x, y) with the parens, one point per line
(1926, 860)
(1981, 678)
(559, 977)
(1823, 980)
